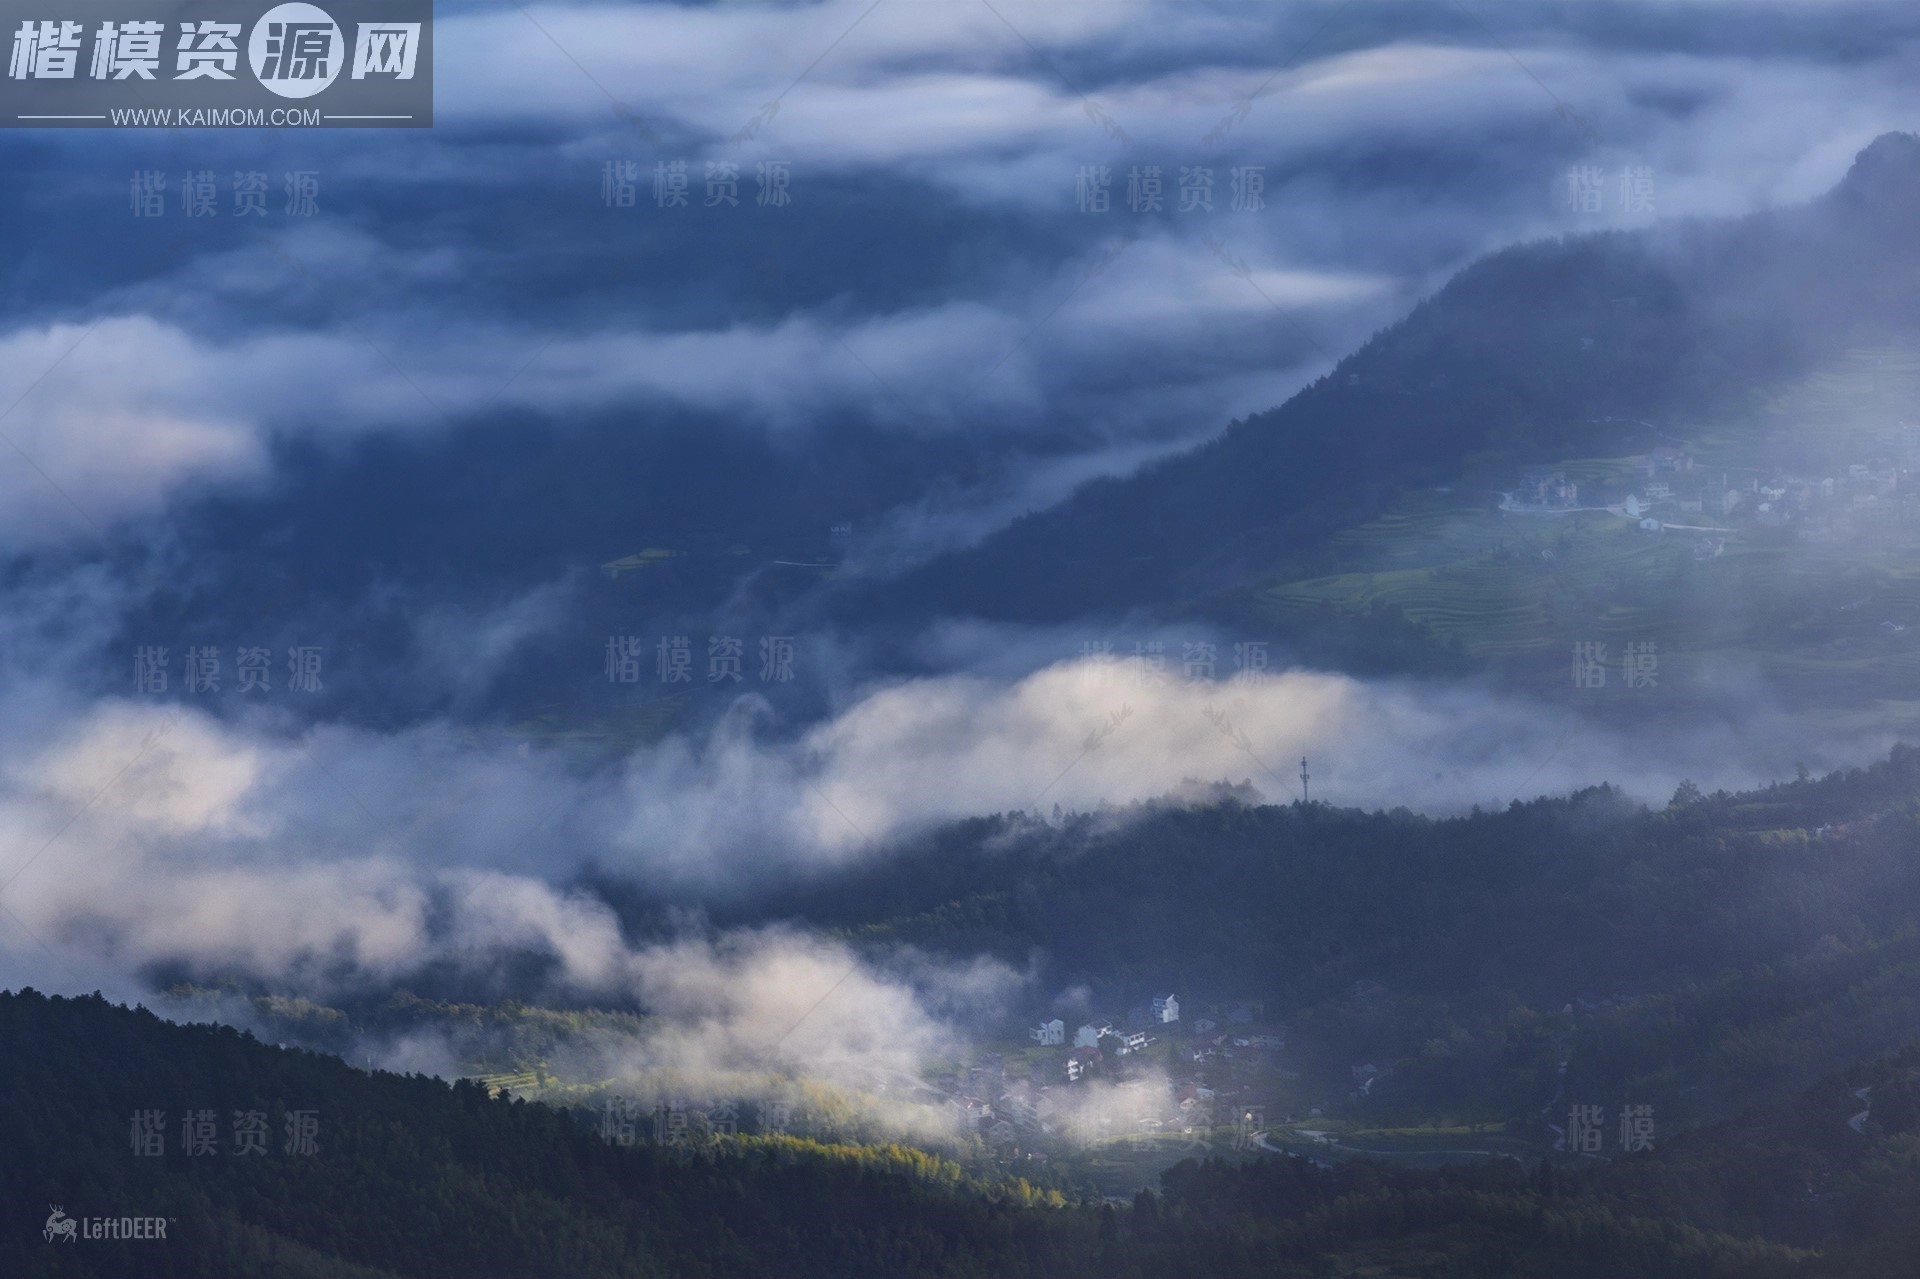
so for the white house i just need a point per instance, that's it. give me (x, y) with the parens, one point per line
(1166, 1009)
(1089, 1035)
(1133, 1041)
(1049, 1032)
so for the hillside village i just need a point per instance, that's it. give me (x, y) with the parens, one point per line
(1158, 1072)
(1873, 501)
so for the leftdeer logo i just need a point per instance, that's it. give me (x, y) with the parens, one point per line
(60, 1226)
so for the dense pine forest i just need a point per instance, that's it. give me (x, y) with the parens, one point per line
(416, 1177)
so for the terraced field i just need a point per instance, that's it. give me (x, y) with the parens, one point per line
(1864, 394)
(518, 1083)
(1496, 584)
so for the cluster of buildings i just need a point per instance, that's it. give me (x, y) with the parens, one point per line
(1021, 1114)
(1546, 490)
(1868, 499)
(1008, 1113)
(1665, 460)
(1094, 1041)
(1874, 501)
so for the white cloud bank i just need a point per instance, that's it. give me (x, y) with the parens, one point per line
(142, 835)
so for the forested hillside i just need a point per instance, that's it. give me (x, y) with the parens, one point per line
(1722, 949)
(413, 1177)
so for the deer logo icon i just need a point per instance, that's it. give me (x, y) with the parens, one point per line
(59, 1226)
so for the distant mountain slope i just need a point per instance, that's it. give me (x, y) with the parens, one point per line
(1523, 356)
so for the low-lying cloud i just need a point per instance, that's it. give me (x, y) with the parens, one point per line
(167, 836)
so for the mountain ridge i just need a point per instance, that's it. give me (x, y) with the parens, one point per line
(1515, 356)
